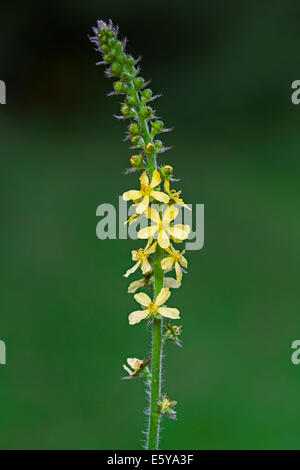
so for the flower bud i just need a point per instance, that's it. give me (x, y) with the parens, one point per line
(122, 59)
(127, 111)
(146, 95)
(119, 87)
(150, 149)
(156, 127)
(137, 141)
(166, 407)
(107, 58)
(134, 129)
(138, 83)
(118, 46)
(146, 112)
(166, 171)
(130, 61)
(111, 42)
(137, 161)
(158, 145)
(116, 69)
(126, 77)
(131, 101)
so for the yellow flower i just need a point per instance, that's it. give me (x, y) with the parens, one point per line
(135, 285)
(153, 308)
(134, 363)
(162, 226)
(136, 366)
(174, 195)
(176, 257)
(147, 190)
(141, 258)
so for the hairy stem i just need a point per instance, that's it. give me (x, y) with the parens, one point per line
(154, 418)
(156, 359)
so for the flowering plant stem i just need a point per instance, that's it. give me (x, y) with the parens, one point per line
(158, 256)
(156, 362)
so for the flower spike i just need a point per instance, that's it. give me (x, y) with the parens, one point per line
(158, 256)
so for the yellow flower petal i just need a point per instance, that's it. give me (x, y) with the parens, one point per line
(134, 363)
(135, 285)
(156, 179)
(162, 296)
(160, 196)
(171, 283)
(183, 261)
(134, 195)
(177, 233)
(144, 179)
(167, 263)
(130, 372)
(178, 272)
(163, 239)
(167, 186)
(185, 228)
(132, 270)
(170, 214)
(143, 205)
(148, 232)
(137, 316)
(169, 312)
(142, 299)
(153, 214)
(151, 248)
(146, 267)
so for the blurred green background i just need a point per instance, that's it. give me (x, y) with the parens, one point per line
(225, 70)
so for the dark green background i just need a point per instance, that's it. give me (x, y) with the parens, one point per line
(225, 70)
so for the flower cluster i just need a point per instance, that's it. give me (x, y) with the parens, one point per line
(155, 200)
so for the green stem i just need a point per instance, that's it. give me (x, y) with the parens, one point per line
(154, 419)
(156, 359)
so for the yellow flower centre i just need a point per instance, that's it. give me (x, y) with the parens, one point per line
(140, 254)
(177, 257)
(165, 404)
(146, 190)
(137, 365)
(152, 308)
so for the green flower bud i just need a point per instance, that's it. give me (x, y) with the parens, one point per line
(158, 145)
(137, 141)
(146, 112)
(122, 58)
(134, 129)
(146, 95)
(126, 77)
(119, 87)
(119, 47)
(166, 171)
(116, 69)
(130, 61)
(131, 101)
(111, 42)
(150, 149)
(137, 161)
(138, 82)
(127, 111)
(156, 127)
(107, 58)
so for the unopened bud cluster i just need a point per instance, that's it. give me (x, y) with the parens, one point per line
(123, 67)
